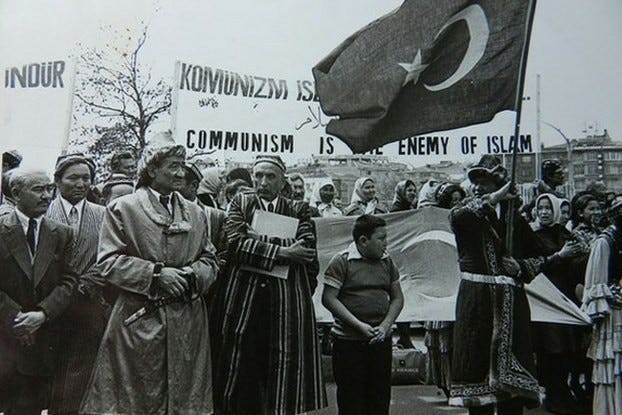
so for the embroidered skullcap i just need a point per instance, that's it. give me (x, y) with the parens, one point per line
(65, 161)
(272, 159)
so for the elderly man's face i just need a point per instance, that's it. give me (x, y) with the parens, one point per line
(269, 180)
(298, 189)
(169, 176)
(35, 195)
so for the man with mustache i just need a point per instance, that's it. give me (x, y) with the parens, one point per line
(268, 359)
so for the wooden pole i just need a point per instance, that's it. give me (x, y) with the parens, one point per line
(518, 104)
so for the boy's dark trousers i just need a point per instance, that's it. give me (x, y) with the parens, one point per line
(363, 375)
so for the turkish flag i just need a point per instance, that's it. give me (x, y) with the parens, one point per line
(430, 65)
(423, 247)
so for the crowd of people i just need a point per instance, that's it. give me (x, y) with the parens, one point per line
(150, 291)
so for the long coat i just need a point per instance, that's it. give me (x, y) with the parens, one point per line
(46, 283)
(85, 320)
(160, 364)
(492, 355)
(294, 383)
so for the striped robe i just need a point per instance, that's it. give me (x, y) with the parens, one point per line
(85, 319)
(294, 383)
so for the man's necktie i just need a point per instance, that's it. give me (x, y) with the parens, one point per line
(164, 201)
(270, 207)
(73, 217)
(30, 235)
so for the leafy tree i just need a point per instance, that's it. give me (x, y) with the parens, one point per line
(116, 99)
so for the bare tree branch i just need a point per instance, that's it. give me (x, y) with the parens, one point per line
(113, 86)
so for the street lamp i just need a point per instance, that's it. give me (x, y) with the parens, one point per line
(569, 155)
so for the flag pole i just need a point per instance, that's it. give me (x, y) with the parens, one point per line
(518, 104)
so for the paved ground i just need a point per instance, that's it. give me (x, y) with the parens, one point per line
(413, 399)
(408, 400)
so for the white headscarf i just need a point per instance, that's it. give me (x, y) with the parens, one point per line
(211, 182)
(555, 206)
(427, 194)
(357, 195)
(325, 209)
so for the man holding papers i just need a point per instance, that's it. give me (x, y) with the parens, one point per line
(269, 360)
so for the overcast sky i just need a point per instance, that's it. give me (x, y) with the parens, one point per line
(575, 47)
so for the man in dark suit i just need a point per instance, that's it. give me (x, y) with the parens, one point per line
(35, 288)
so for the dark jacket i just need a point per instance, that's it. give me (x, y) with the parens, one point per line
(46, 284)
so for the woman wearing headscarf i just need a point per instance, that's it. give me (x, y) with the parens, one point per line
(364, 199)
(427, 194)
(404, 196)
(556, 344)
(323, 197)
(209, 187)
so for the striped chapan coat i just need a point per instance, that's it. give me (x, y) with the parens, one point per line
(85, 319)
(294, 381)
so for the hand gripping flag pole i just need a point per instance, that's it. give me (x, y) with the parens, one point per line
(512, 209)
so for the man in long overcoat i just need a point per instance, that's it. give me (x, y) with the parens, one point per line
(35, 288)
(269, 361)
(154, 246)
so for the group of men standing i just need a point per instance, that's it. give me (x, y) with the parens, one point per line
(64, 348)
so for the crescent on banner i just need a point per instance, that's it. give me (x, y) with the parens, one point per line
(479, 32)
(423, 248)
(441, 236)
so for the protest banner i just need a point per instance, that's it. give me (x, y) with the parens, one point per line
(234, 114)
(34, 91)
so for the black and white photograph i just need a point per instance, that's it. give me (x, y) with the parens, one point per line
(352, 207)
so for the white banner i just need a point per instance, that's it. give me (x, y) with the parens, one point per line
(36, 108)
(237, 114)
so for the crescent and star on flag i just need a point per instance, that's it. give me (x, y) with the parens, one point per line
(479, 31)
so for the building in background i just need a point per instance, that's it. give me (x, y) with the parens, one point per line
(589, 159)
